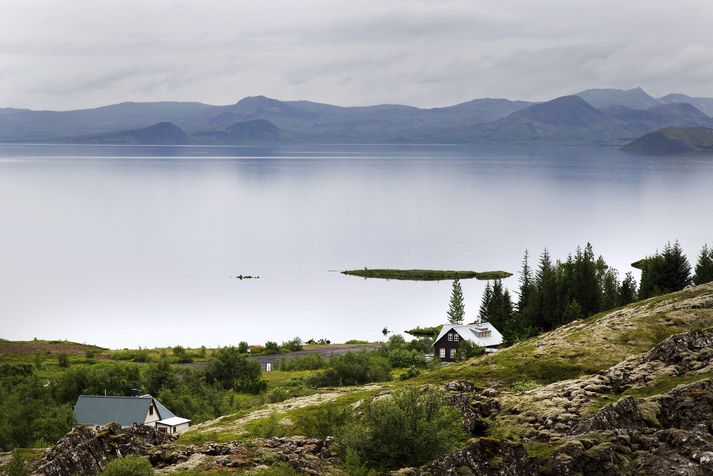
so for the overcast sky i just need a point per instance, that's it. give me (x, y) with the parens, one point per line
(83, 53)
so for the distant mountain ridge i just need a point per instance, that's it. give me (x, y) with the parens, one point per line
(595, 115)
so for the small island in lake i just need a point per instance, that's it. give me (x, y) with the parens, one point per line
(425, 274)
(673, 141)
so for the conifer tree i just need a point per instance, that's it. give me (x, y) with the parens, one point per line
(525, 284)
(677, 270)
(546, 284)
(484, 311)
(627, 290)
(456, 310)
(704, 266)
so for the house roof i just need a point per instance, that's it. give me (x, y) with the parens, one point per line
(469, 333)
(174, 421)
(100, 410)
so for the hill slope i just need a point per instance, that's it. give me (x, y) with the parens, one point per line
(568, 117)
(673, 141)
(163, 133)
(629, 391)
(635, 98)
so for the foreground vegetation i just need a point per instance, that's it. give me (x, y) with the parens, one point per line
(425, 274)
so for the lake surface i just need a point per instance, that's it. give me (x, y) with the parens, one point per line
(129, 246)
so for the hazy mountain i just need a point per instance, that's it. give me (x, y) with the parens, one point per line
(163, 133)
(660, 116)
(592, 115)
(673, 141)
(635, 98)
(565, 118)
(255, 131)
(703, 104)
(48, 125)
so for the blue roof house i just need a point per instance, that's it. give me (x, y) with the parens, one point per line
(96, 410)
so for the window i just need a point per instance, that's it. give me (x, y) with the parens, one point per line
(442, 353)
(456, 337)
(151, 409)
(453, 353)
(450, 337)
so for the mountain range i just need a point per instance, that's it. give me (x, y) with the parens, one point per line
(593, 116)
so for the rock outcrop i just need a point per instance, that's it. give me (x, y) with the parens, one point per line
(86, 450)
(668, 432)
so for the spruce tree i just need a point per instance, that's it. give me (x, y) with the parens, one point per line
(546, 284)
(627, 290)
(704, 266)
(677, 270)
(456, 310)
(525, 284)
(484, 311)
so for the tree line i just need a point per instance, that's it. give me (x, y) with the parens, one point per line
(556, 292)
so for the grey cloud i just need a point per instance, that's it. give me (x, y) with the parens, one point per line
(421, 52)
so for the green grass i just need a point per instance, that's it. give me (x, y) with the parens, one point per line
(425, 274)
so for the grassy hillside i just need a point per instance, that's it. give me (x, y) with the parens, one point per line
(579, 349)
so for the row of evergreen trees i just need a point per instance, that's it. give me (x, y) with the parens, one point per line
(555, 293)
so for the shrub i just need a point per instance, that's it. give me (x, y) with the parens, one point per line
(292, 345)
(63, 360)
(356, 341)
(182, 355)
(412, 372)
(402, 358)
(140, 355)
(468, 350)
(271, 348)
(90, 353)
(128, 466)
(326, 420)
(409, 428)
(266, 427)
(353, 368)
(278, 395)
(232, 370)
(17, 465)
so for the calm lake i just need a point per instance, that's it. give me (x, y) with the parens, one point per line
(129, 246)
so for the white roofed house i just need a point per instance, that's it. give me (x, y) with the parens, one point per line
(480, 333)
(96, 410)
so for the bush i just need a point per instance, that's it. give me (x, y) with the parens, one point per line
(90, 353)
(266, 427)
(63, 360)
(353, 368)
(468, 350)
(128, 466)
(409, 428)
(182, 355)
(232, 370)
(140, 355)
(17, 466)
(271, 348)
(412, 372)
(356, 341)
(326, 420)
(402, 358)
(293, 345)
(278, 395)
